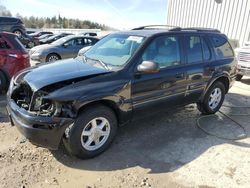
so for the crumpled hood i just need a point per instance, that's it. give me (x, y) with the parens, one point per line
(46, 74)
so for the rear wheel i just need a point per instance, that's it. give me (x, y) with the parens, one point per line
(3, 82)
(213, 99)
(239, 77)
(52, 57)
(17, 32)
(92, 132)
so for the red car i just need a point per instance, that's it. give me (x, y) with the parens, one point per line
(13, 58)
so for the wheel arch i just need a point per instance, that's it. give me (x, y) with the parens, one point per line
(224, 79)
(104, 102)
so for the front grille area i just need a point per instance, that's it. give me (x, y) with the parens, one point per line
(244, 56)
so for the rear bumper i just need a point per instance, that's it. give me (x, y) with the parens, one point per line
(42, 131)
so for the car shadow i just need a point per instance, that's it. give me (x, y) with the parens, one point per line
(3, 113)
(246, 80)
(162, 142)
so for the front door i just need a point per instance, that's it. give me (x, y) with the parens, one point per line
(155, 91)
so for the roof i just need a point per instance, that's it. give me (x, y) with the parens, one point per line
(146, 32)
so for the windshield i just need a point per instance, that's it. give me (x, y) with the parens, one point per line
(115, 50)
(61, 40)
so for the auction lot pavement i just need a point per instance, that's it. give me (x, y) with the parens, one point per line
(165, 150)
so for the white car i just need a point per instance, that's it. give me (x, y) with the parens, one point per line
(243, 57)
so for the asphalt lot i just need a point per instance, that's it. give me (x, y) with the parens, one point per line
(164, 150)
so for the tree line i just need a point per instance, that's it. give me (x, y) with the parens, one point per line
(54, 22)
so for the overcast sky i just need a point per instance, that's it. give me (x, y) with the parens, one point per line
(121, 14)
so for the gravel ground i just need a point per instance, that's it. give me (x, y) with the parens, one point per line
(165, 150)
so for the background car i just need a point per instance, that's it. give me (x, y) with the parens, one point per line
(40, 33)
(66, 47)
(243, 57)
(54, 38)
(91, 34)
(13, 58)
(45, 36)
(13, 25)
(28, 41)
(83, 50)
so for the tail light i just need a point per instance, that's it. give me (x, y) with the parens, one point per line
(19, 56)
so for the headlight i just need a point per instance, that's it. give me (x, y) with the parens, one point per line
(36, 54)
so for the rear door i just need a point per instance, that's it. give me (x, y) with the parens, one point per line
(198, 65)
(4, 51)
(156, 91)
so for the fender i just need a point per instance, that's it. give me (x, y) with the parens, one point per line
(217, 76)
(115, 94)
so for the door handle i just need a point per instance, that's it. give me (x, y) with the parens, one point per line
(179, 75)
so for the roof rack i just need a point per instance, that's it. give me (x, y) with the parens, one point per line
(200, 29)
(177, 28)
(154, 27)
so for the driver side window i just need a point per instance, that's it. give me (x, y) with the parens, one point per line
(163, 51)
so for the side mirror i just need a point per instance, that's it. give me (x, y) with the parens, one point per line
(148, 67)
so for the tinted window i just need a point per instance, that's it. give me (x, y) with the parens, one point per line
(222, 47)
(89, 41)
(206, 50)
(3, 44)
(164, 51)
(194, 49)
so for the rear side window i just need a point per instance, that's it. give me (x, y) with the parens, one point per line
(222, 47)
(8, 20)
(206, 50)
(194, 49)
(4, 45)
(17, 44)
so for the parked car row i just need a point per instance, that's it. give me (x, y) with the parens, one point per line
(66, 47)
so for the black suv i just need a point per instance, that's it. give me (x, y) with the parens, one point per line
(13, 25)
(82, 101)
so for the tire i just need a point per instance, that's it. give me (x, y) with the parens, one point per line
(239, 77)
(17, 32)
(3, 83)
(52, 57)
(78, 144)
(213, 99)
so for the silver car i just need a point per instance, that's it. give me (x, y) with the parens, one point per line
(66, 47)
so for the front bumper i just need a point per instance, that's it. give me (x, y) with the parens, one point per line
(39, 58)
(42, 131)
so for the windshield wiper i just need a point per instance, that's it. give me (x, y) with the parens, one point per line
(85, 58)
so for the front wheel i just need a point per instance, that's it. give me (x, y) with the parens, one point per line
(213, 99)
(52, 58)
(92, 132)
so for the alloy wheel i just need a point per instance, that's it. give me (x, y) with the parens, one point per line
(215, 98)
(95, 133)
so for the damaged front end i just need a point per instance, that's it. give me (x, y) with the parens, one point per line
(38, 102)
(40, 119)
